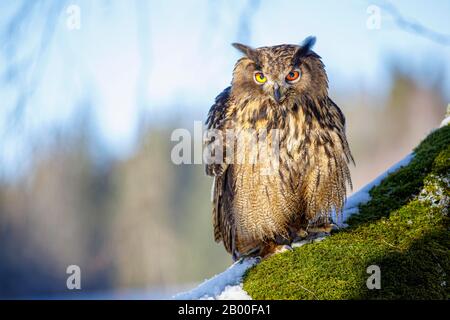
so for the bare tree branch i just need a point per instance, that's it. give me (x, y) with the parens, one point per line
(25, 73)
(415, 27)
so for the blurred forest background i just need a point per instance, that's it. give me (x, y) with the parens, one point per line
(87, 108)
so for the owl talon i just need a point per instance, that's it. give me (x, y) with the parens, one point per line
(300, 235)
(283, 248)
(238, 257)
(312, 237)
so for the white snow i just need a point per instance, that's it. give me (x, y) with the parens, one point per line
(446, 121)
(235, 292)
(226, 285)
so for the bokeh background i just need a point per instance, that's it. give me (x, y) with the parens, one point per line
(90, 92)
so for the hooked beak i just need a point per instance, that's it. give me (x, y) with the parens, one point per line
(277, 93)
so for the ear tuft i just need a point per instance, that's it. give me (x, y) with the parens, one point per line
(241, 47)
(308, 43)
(304, 49)
(248, 51)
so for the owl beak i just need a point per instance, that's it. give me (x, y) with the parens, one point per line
(277, 93)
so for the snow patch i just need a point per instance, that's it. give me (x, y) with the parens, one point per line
(226, 285)
(446, 121)
(234, 293)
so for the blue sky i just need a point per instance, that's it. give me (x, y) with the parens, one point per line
(167, 56)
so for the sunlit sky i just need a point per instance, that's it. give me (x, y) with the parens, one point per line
(166, 56)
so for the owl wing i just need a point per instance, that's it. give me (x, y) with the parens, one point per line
(339, 121)
(216, 120)
(327, 182)
(222, 218)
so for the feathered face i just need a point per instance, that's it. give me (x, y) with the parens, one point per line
(279, 73)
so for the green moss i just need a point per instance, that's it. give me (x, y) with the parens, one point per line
(405, 234)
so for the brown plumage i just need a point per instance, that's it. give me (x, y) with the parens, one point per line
(282, 87)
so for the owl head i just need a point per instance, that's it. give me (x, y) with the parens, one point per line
(279, 73)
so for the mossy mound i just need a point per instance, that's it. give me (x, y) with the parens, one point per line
(403, 229)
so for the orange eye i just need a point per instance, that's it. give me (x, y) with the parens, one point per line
(260, 77)
(293, 75)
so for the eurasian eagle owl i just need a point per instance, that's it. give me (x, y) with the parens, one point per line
(282, 89)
